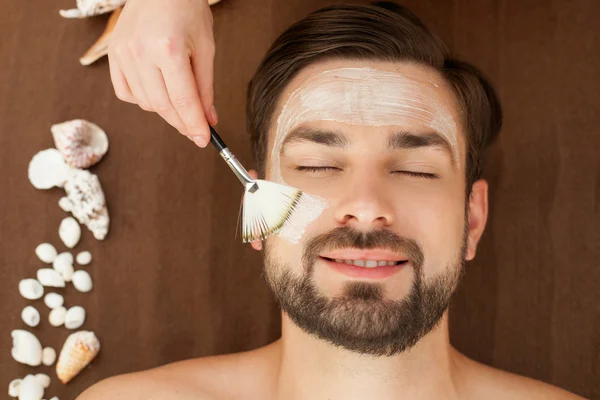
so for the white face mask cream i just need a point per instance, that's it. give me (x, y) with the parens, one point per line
(359, 96)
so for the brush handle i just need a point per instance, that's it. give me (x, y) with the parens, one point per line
(237, 168)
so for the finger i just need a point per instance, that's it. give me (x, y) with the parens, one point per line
(129, 68)
(122, 90)
(203, 69)
(183, 92)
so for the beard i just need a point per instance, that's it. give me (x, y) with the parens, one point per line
(361, 319)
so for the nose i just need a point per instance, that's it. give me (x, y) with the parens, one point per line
(365, 204)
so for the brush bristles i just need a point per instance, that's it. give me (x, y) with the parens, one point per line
(267, 209)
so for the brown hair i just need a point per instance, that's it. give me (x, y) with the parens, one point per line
(382, 31)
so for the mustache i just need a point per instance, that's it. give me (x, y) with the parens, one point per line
(346, 237)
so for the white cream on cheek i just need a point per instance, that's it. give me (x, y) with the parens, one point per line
(359, 96)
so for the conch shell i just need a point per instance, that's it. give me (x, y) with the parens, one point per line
(100, 48)
(79, 350)
(81, 142)
(87, 202)
(89, 8)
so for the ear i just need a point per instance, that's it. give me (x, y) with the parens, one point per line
(478, 212)
(257, 245)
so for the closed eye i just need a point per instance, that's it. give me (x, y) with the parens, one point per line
(425, 175)
(316, 169)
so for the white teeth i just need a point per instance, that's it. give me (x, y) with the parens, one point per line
(349, 262)
(381, 263)
(359, 263)
(370, 263)
(366, 263)
(339, 261)
(391, 263)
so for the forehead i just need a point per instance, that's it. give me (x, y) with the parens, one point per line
(368, 93)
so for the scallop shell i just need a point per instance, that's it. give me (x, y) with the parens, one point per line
(31, 388)
(13, 387)
(31, 289)
(88, 204)
(82, 143)
(26, 349)
(48, 356)
(43, 379)
(69, 232)
(50, 278)
(54, 300)
(57, 316)
(46, 253)
(88, 8)
(48, 169)
(30, 316)
(84, 258)
(82, 281)
(79, 350)
(75, 317)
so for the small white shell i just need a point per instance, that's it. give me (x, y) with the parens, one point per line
(69, 232)
(82, 281)
(49, 277)
(64, 265)
(26, 349)
(75, 317)
(48, 356)
(88, 8)
(57, 316)
(81, 142)
(31, 289)
(54, 398)
(13, 387)
(30, 316)
(53, 300)
(31, 389)
(65, 204)
(46, 252)
(43, 379)
(84, 258)
(48, 169)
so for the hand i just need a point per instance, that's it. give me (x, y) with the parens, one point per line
(161, 57)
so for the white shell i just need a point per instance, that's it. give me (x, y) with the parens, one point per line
(69, 232)
(64, 265)
(57, 316)
(43, 379)
(49, 277)
(30, 316)
(65, 204)
(88, 203)
(81, 142)
(82, 281)
(54, 398)
(88, 8)
(46, 252)
(26, 349)
(13, 387)
(48, 169)
(31, 289)
(31, 389)
(79, 350)
(48, 356)
(54, 300)
(84, 258)
(75, 317)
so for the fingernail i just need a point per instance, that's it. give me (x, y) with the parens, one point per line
(199, 140)
(213, 114)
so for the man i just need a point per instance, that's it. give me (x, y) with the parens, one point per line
(364, 109)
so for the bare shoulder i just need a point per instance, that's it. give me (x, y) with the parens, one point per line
(487, 382)
(206, 378)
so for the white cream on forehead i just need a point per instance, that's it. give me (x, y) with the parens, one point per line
(361, 96)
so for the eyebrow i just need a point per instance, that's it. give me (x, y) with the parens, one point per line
(397, 140)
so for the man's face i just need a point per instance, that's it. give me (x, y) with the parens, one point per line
(381, 143)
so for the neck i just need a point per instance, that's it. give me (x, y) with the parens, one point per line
(310, 368)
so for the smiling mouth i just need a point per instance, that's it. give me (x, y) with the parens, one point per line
(367, 263)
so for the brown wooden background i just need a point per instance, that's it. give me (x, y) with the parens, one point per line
(172, 281)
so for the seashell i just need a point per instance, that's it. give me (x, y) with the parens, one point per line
(31, 389)
(54, 300)
(82, 281)
(13, 387)
(30, 316)
(88, 8)
(54, 398)
(100, 47)
(79, 350)
(84, 258)
(48, 169)
(64, 265)
(26, 349)
(31, 289)
(69, 232)
(57, 316)
(46, 252)
(43, 379)
(65, 204)
(48, 356)
(82, 143)
(49, 277)
(75, 317)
